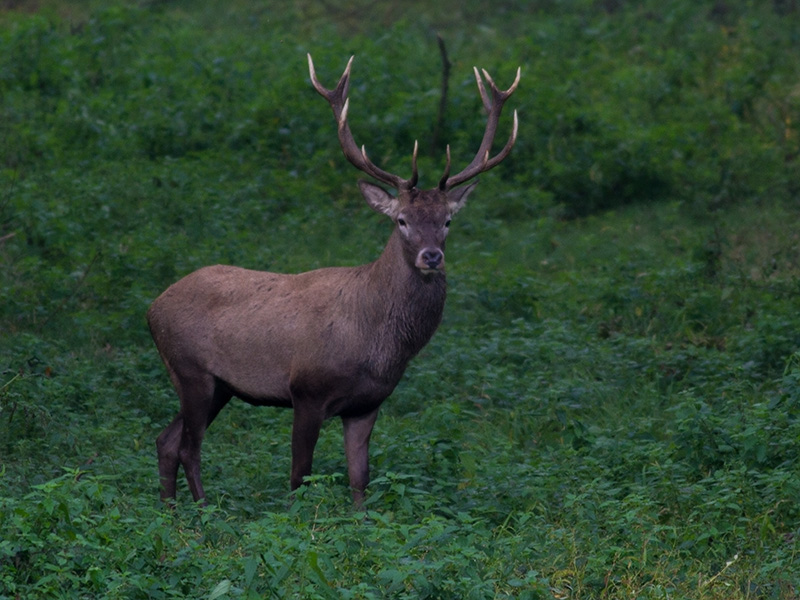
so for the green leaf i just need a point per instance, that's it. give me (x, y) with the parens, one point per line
(220, 590)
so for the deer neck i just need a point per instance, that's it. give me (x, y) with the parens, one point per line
(401, 280)
(409, 304)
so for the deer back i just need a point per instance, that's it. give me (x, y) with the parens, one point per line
(258, 330)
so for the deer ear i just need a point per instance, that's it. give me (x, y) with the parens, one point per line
(457, 197)
(379, 199)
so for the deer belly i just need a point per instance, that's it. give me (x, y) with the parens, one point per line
(347, 392)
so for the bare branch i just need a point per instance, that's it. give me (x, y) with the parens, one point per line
(437, 130)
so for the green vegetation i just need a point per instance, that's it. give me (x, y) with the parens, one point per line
(611, 408)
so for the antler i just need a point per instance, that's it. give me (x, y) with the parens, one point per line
(493, 106)
(340, 103)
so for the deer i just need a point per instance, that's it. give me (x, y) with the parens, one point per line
(331, 342)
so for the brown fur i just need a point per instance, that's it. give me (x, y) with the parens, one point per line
(330, 342)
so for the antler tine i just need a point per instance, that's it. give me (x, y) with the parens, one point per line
(342, 121)
(340, 104)
(494, 106)
(512, 139)
(342, 86)
(487, 103)
(510, 90)
(414, 173)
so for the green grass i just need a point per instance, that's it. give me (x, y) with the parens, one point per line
(611, 407)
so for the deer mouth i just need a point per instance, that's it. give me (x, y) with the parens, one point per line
(430, 260)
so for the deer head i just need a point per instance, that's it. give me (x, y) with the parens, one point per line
(422, 217)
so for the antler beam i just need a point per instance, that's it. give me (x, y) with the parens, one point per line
(494, 106)
(340, 104)
(493, 100)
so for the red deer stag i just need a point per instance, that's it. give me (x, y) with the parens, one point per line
(329, 342)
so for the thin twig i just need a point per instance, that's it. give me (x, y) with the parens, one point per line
(708, 582)
(10, 381)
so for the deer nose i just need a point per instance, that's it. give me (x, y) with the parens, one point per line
(430, 258)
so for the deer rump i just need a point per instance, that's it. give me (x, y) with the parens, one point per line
(329, 342)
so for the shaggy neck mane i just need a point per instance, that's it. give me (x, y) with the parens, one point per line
(407, 304)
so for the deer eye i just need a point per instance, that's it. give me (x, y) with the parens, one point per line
(401, 222)
(447, 223)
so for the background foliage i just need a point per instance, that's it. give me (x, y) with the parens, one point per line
(610, 408)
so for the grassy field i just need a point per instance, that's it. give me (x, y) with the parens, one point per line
(611, 407)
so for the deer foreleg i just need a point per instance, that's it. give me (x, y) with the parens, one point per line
(357, 431)
(305, 433)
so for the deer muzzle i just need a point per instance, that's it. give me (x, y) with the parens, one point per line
(430, 259)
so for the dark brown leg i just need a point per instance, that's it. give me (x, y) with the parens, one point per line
(305, 433)
(357, 431)
(167, 446)
(181, 441)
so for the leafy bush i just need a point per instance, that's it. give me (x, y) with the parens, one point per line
(610, 408)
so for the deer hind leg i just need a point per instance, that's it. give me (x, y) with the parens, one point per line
(167, 445)
(201, 400)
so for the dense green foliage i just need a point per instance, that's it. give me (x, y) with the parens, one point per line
(611, 408)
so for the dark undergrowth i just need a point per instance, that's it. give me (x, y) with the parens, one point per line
(611, 406)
